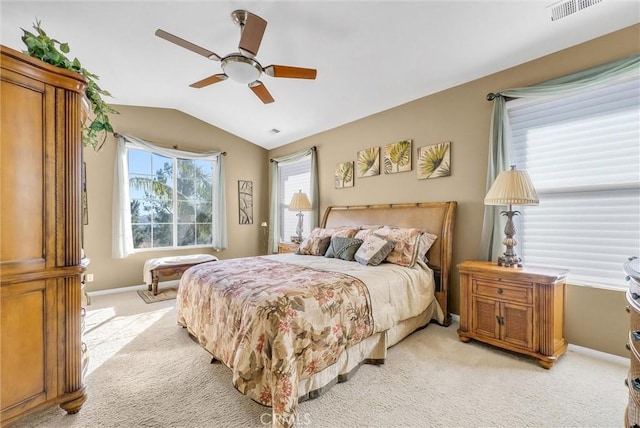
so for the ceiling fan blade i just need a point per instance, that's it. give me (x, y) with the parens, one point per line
(187, 45)
(291, 72)
(209, 81)
(252, 32)
(260, 90)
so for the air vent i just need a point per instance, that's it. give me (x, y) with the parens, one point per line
(565, 8)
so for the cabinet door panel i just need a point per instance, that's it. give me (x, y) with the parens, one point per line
(517, 328)
(485, 314)
(22, 168)
(27, 310)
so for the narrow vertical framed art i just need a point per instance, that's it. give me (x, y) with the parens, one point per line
(245, 202)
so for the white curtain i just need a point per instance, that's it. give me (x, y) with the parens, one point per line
(274, 226)
(122, 244)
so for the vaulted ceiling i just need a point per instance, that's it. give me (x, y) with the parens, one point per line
(370, 55)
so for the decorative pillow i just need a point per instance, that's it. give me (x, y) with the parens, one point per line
(406, 241)
(366, 231)
(426, 241)
(314, 246)
(343, 248)
(373, 250)
(345, 231)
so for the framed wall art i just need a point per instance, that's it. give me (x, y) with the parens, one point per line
(344, 175)
(245, 201)
(397, 157)
(434, 161)
(368, 162)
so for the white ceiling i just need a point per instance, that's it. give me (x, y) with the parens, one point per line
(370, 55)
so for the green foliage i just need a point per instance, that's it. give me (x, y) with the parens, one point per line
(152, 217)
(41, 46)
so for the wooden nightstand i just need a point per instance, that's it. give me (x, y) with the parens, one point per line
(519, 309)
(287, 247)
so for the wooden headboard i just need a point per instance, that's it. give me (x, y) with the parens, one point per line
(434, 217)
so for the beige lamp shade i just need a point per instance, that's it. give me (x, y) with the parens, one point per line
(512, 187)
(300, 202)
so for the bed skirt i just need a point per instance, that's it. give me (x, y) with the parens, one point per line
(372, 350)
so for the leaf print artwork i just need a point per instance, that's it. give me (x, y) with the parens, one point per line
(368, 162)
(344, 175)
(397, 157)
(434, 161)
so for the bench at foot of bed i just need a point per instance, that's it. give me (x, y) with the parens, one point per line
(154, 269)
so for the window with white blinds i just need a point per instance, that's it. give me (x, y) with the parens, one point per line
(294, 176)
(582, 153)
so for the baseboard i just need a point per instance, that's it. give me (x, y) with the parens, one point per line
(599, 354)
(130, 288)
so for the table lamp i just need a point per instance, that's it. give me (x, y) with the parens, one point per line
(300, 202)
(511, 187)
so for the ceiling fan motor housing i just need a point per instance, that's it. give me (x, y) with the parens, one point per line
(241, 68)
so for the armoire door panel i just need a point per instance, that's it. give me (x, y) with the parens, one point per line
(27, 310)
(22, 173)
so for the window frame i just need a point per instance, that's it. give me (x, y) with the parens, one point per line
(283, 202)
(175, 158)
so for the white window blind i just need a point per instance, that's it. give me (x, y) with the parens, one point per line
(294, 176)
(582, 153)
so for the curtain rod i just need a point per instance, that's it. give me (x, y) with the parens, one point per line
(314, 148)
(175, 146)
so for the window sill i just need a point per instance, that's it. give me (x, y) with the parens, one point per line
(155, 250)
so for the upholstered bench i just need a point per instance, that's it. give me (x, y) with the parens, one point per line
(170, 266)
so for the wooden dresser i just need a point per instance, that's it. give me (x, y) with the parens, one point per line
(40, 251)
(519, 309)
(632, 269)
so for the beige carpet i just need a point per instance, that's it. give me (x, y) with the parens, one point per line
(146, 372)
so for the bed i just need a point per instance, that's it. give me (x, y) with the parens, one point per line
(290, 326)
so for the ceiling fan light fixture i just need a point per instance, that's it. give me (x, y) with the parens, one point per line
(241, 69)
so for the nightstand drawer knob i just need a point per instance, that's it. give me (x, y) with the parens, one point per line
(626, 345)
(500, 320)
(500, 291)
(627, 308)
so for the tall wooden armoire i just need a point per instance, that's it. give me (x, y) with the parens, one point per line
(41, 352)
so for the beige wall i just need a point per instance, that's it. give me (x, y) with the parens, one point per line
(594, 318)
(244, 161)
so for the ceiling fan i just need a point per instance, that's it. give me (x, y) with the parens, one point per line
(242, 66)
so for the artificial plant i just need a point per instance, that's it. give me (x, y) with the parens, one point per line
(96, 128)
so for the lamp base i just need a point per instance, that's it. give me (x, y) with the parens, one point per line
(510, 258)
(512, 261)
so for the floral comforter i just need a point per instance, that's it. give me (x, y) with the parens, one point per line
(273, 323)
